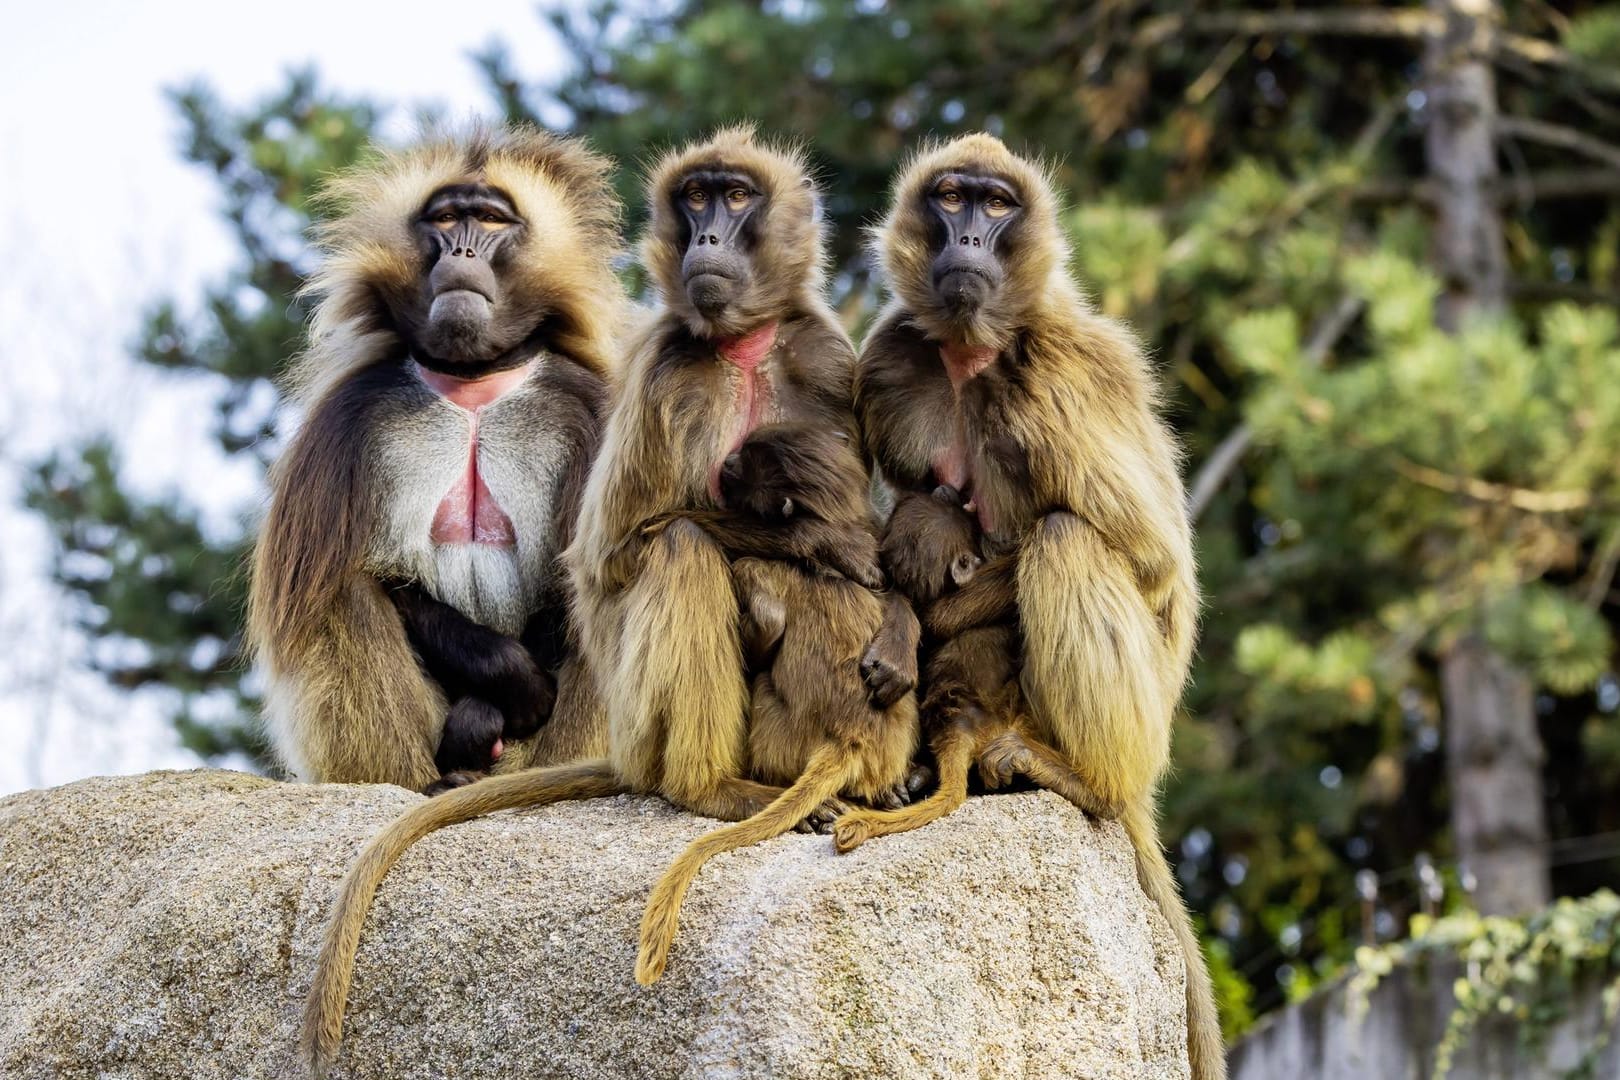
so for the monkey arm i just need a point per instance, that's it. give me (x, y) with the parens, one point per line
(470, 660)
(850, 550)
(991, 597)
(889, 665)
(1098, 671)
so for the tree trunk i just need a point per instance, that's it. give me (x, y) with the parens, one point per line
(1493, 760)
(1493, 750)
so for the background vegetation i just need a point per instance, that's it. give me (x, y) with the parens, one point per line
(1403, 458)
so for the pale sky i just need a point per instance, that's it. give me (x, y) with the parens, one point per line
(101, 217)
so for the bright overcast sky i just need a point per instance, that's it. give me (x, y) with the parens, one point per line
(101, 217)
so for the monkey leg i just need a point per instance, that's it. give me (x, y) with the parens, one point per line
(821, 780)
(334, 967)
(1205, 1047)
(1099, 676)
(954, 750)
(676, 700)
(1013, 752)
(350, 705)
(889, 665)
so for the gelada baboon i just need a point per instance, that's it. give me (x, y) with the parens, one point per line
(989, 371)
(812, 724)
(973, 709)
(406, 588)
(742, 337)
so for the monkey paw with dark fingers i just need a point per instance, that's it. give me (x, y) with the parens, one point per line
(451, 781)
(886, 681)
(824, 817)
(472, 736)
(523, 693)
(919, 779)
(1003, 758)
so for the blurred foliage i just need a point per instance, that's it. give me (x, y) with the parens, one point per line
(1253, 203)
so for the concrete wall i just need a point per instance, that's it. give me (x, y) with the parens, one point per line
(1395, 1038)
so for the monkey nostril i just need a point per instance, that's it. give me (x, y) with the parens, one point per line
(713, 239)
(976, 242)
(471, 254)
(964, 241)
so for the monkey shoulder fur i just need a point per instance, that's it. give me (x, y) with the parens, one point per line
(405, 579)
(1051, 430)
(813, 725)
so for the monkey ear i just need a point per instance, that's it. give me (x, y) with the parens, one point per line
(788, 507)
(963, 567)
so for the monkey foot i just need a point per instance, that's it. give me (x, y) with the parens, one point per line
(452, 780)
(1003, 757)
(824, 817)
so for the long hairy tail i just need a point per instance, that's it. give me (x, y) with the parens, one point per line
(1205, 1049)
(329, 992)
(822, 779)
(954, 755)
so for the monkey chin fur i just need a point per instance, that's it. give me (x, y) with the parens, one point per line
(484, 582)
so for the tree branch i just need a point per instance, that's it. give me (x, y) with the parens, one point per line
(1565, 138)
(1535, 502)
(1224, 459)
(1344, 22)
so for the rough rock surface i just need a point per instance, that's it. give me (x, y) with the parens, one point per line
(165, 926)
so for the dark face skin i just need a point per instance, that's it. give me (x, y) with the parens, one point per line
(972, 219)
(718, 211)
(465, 321)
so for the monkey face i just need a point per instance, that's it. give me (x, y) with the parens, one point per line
(719, 212)
(784, 471)
(971, 217)
(463, 317)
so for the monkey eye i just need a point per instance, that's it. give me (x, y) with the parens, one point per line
(997, 206)
(951, 200)
(697, 198)
(444, 218)
(737, 198)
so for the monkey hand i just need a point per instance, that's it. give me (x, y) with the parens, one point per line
(850, 551)
(888, 678)
(889, 665)
(472, 737)
(523, 693)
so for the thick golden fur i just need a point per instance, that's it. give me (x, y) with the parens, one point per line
(316, 617)
(663, 640)
(813, 725)
(1072, 462)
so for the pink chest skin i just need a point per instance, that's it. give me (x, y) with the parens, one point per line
(468, 513)
(753, 400)
(952, 463)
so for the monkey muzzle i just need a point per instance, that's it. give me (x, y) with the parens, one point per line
(714, 268)
(463, 281)
(967, 273)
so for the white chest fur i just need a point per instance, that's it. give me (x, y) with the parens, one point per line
(437, 459)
